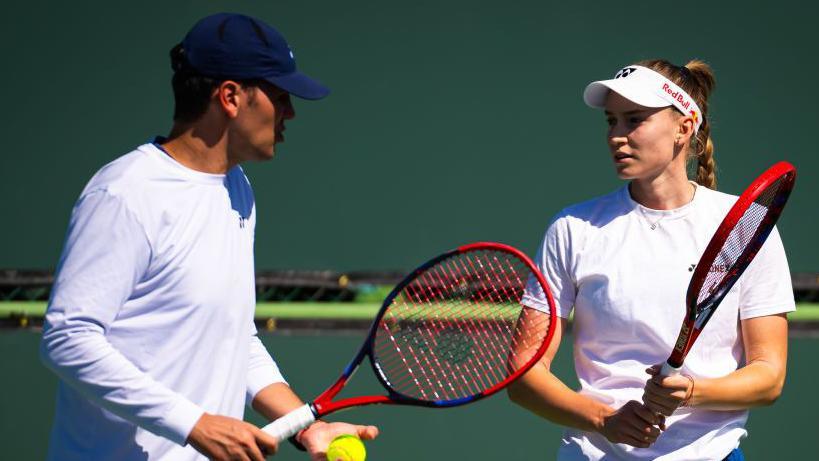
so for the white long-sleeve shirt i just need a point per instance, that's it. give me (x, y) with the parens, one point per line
(150, 322)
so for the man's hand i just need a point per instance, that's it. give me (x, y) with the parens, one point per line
(318, 436)
(221, 438)
(633, 424)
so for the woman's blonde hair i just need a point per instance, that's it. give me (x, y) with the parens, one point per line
(697, 79)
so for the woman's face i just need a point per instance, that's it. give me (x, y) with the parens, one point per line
(642, 140)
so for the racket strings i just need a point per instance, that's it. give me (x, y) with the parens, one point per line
(747, 228)
(432, 282)
(456, 342)
(459, 328)
(430, 289)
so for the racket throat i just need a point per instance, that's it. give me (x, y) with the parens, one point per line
(322, 408)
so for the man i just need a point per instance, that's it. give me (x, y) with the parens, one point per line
(150, 324)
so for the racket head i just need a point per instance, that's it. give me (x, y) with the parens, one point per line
(733, 246)
(455, 330)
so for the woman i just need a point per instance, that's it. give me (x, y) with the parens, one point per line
(622, 262)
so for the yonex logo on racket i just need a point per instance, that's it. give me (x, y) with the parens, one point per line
(682, 339)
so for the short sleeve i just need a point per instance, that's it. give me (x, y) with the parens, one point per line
(553, 261)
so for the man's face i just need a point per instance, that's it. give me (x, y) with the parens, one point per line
(259, 125)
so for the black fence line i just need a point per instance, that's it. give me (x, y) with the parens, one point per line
(305, 285)
(282, 285)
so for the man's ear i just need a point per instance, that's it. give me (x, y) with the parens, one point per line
(230, 97)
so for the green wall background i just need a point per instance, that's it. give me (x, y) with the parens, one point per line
(449, 121)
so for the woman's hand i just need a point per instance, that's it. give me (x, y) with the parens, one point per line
(633, 424)
(664, 394)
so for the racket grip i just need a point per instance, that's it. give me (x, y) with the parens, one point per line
(668, 370)
(291, 423)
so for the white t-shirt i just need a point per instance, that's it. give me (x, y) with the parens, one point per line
(626, 283)
(150, 321)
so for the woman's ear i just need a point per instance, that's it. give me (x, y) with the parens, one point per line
(685, 129)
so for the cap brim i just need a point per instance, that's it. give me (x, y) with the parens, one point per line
(596, 93)
(300, 85)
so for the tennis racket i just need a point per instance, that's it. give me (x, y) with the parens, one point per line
(734, 245)
(452, 332)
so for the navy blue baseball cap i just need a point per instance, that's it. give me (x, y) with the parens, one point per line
(231, 46)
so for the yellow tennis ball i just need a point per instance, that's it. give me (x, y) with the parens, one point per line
(346, 448)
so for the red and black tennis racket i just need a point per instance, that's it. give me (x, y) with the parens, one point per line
(452, 332)
(732, 248)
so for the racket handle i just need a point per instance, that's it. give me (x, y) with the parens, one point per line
(291, 423)
(669, 370)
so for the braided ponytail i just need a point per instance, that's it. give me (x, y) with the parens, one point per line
(697, 79)
(706, 165)
(703, 150)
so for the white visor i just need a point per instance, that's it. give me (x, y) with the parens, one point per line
(645, 87)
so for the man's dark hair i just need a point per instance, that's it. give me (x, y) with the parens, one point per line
(191, 91)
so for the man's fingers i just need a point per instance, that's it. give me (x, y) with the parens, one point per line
(237, 452)
(367, 432)
(245, 447)
(254, 453)
(268, 444)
